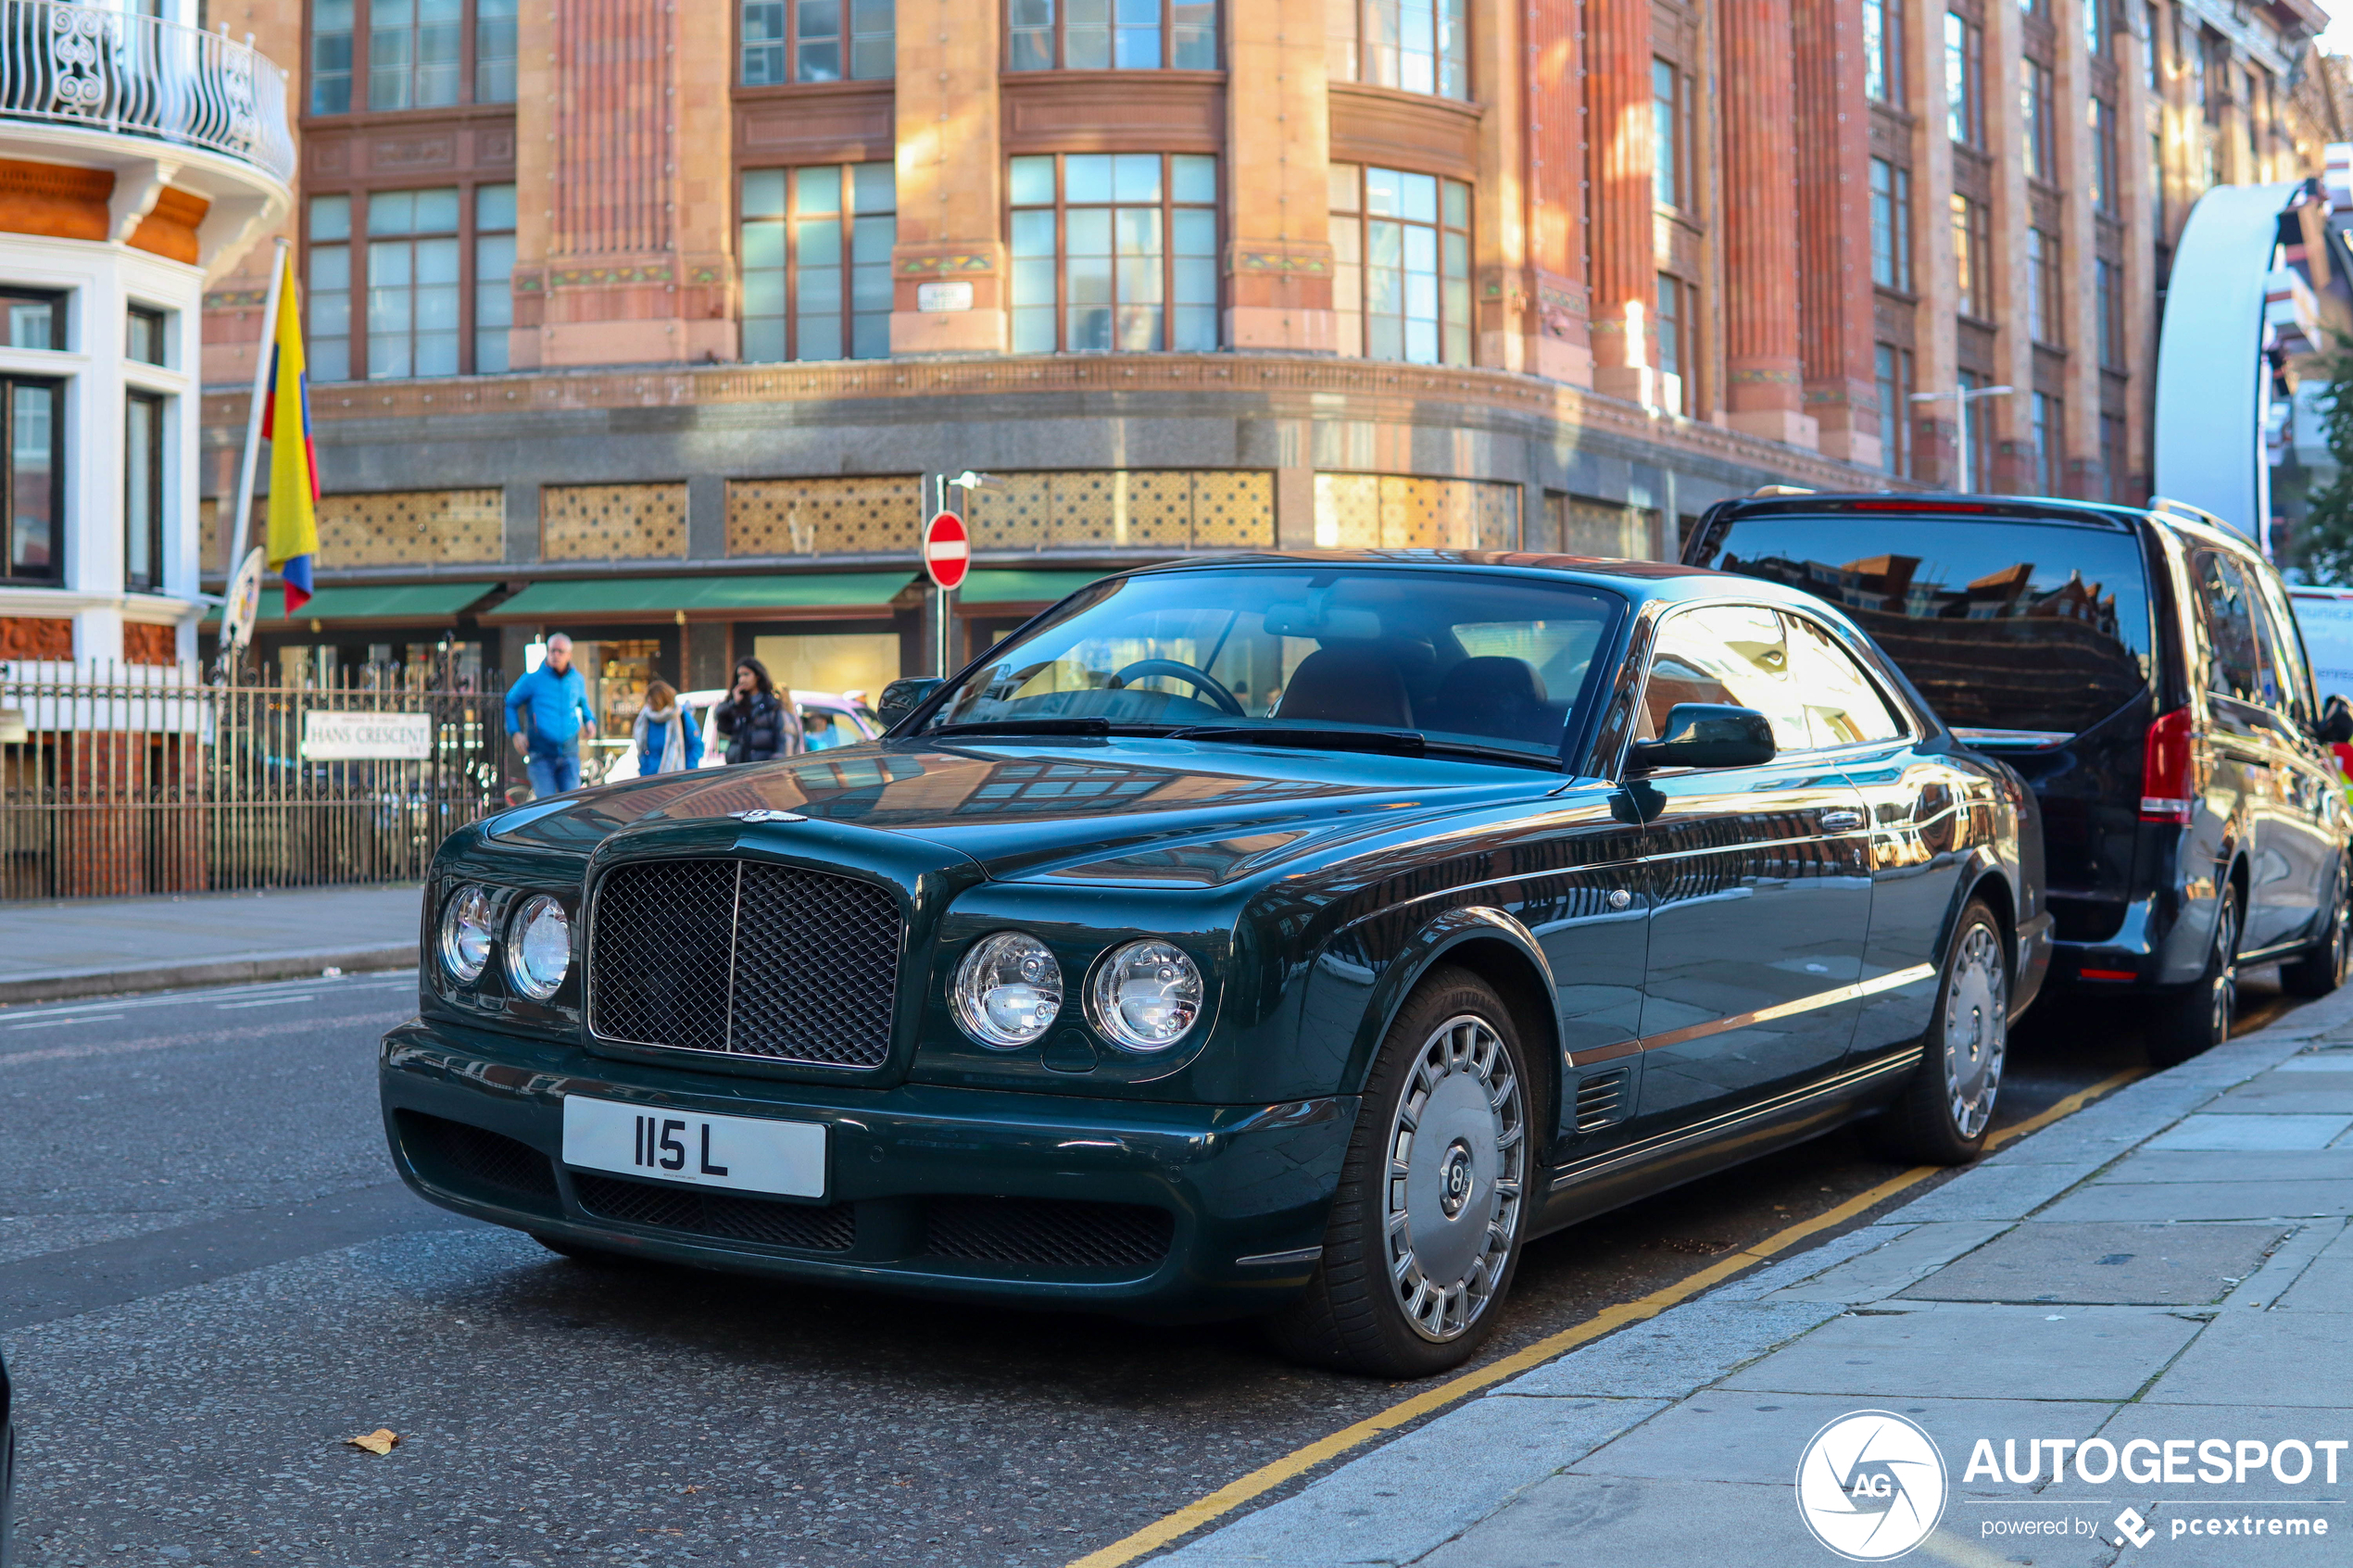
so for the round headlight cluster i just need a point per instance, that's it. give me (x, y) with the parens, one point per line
(1146, 996)
(466, 935)
(1009, 990)
(539, 948)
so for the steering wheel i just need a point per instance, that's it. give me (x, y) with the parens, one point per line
(1201, 680)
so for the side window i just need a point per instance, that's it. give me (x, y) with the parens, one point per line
(2227, 611)
(2283, 651)
(1842, 708)
(1733, 654)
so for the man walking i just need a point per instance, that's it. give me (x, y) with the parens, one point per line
(546, 712)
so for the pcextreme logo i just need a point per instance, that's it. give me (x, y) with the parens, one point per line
(1871, 1486)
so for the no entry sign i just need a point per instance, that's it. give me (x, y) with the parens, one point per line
(948, 550)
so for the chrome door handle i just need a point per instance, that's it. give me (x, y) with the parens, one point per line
(1842, 822)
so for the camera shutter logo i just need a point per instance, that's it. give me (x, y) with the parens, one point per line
(1871, 1486)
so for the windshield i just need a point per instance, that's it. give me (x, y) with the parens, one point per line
(2002, 625)
(1457, 658)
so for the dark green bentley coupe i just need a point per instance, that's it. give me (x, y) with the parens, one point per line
(1295, 936)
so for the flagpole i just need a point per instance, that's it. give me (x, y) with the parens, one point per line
(265, 353)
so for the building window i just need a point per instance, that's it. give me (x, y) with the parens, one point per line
(328, 351)
(2103, 122)
(1891, 225)
(2108, 295)
(1666, 148)
(35, 477)
(817, 41)
(816, 261)
(413, 284)
(1972, 266)
(142, 336)
(2095, 30)
(1419, 45)
(1401, 275)
(494, 275)
(1893, 366)
(1114, 252)
(1973, 451)
(142, 492)
(2043, 286)
(2047, 426)
(2036, 104)
(33, 320)
(1123, 34)
(1883, 51)
(2148, 51)
(1964, 81)
(1675, 315)
(412, 54)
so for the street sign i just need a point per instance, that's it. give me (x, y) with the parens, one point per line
(948, 550)
(367, 737)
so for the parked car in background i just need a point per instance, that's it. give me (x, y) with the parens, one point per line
(1288, 935)
(2325, 618)
(2143, 671)
(827, 720)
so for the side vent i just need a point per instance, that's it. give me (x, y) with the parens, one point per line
(1601, 1101)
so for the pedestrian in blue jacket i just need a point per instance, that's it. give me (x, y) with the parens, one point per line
(546, 712)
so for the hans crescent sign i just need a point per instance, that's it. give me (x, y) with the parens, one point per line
(367, 737)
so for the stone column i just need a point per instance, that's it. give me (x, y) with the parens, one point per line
(2078, 463)
(2008, 420)
(1937, 458)
(623, 251)
(1619, 198)
(1559, 344)
(1835, 301)
(2136, 110)
(1278, 254)
(1499, 221)
(951, 181)
(1763, 376)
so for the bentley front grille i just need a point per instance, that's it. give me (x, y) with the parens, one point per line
(745, 959)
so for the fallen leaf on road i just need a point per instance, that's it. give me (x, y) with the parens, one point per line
(380, 1441)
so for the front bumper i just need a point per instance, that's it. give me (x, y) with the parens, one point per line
(954, 1192)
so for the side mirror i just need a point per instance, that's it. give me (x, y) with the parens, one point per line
(2336, 721)
(902, 697)
(1706, 735)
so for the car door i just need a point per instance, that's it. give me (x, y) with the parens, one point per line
(1760, 900)
(1918, 806)
(2244, 748)
(2304, 771)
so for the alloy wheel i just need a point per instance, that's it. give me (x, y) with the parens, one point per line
(1976, 1028)
(1457, 1165)
(2224, 996)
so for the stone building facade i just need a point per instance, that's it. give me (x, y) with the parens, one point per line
(642, 319)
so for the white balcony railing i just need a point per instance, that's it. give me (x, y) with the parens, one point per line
(78, 66)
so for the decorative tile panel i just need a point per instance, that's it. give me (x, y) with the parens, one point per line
(823, 517)
(613, 522)
(405, 528)
(1579, 526)
(1116, 509)
(1368, 512)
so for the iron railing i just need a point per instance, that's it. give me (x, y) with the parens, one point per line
(119, 780)
(142, 76)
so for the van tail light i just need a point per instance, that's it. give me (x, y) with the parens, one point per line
(2167, 789)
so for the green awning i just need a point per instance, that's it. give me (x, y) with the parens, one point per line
(409, 601)
(588, 598)
(1023, 587)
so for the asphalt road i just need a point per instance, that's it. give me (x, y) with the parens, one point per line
(206, 1283)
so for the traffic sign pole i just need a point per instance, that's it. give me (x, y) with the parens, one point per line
(947, 556)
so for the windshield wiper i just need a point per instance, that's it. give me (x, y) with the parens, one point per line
(1400, 742)
(1043, 726)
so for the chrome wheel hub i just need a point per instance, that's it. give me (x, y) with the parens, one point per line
(1457, 1159)
(1976, 1030)
(2225, 999)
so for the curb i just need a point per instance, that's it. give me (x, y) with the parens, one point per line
(68, 985)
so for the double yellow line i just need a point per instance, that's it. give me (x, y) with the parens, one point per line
(1194, 1514)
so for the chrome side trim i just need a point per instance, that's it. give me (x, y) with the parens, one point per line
(1893, 980)
(1616, 1159)
(1269, 1260)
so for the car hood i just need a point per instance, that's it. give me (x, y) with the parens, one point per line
(1148, 811)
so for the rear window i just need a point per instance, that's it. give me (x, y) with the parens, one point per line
(2002, 625)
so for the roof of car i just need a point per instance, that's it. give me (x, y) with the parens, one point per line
(2046, 508)
(1638, 579)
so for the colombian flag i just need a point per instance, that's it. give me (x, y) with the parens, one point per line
(294, 470)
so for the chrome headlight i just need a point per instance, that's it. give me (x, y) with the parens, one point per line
(466, 935)
(1008, 990)
(1146, 994)
(539, 947)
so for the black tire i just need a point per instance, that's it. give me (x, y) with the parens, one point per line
(2187, 1021)
(1472, 1196)
(2323, 966)
(1947, 1106)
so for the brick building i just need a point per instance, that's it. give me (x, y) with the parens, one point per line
(641, 318)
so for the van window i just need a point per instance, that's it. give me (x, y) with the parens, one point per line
(2001, 624)
(2229, 612)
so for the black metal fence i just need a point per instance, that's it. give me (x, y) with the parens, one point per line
(130, 779)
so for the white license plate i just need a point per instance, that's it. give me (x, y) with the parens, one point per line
(743, 1153)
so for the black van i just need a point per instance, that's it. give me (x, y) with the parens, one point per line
(2143, 671)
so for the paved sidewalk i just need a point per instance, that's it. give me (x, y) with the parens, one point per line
(2172, 1264)
(98, 946)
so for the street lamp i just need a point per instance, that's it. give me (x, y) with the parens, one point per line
(1962, 396)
